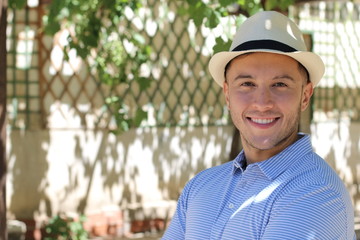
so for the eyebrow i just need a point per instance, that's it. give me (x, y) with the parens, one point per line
(241, 76)
(248, 76)
(286, 76)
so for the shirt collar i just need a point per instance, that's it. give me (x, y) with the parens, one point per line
(239, 162)
(277, 164)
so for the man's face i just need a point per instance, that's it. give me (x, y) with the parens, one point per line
(265, 94)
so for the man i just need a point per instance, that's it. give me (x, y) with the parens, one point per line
(277, 187)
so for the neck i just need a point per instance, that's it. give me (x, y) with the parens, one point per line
(254, 154)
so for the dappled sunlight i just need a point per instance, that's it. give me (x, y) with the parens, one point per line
(336, 142)
(264, 194)
(33, 3)
(69, 65)
(141, 172)
(247, 203)
(25, 48)
(259, 197)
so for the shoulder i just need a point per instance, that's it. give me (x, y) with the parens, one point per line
(207, 178)
(319, 172)
(315, 192)
(311, 169)
(313, 180)
(211, 174)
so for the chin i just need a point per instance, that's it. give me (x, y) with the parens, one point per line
(264, 144)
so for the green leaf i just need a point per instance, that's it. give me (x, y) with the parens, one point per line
(241, 2)
(144, 83)
(124, 125)
(286, 3)
(221, 45)
(139, 117)
(225, 3)
(66, 53)
(182, 11)
(198, 19)
(282, 4)
(90, 40)
(52, 28)
(112, 99)
(109, 3)
(82, 52)
(193, 2)
(198, 12)
(270, 4)
(139, 38)
(213, 20)
(19, 4)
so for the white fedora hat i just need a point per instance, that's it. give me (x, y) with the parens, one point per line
(273, 32)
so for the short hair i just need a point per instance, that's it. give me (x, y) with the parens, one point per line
(304, 72)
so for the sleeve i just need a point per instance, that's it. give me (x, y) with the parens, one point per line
(311, 213)
(176, 229)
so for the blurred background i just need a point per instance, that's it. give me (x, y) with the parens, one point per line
(111, 108)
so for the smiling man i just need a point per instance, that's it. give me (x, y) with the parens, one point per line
(277, 187)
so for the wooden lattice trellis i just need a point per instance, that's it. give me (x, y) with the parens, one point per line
(45, 91)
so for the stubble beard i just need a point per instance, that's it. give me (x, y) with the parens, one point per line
(276, 141)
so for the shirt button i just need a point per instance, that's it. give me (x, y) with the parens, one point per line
(231, 205)
(243, 184)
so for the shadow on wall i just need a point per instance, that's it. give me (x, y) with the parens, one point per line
(159, 161)
(26, 178)
(180, 153)
(339, 144)
(126, 181)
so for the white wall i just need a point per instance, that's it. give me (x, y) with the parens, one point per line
(339, 143)
(72, 171)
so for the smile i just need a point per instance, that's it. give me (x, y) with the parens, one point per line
(263, 120)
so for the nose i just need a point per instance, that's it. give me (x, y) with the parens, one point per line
(263, 99)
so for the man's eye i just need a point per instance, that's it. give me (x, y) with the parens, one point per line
(247, 84)
(280, 84)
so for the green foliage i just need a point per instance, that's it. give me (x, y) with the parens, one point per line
(65, 228)
(99, 31)
(121, 115)
(221, 45)
(17, 4)
(280, 4)
(210, 13)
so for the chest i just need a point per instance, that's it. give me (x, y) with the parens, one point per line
(240, 206)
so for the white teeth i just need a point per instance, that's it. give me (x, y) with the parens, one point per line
(263, 121)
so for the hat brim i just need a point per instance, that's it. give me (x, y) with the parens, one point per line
(312, 62)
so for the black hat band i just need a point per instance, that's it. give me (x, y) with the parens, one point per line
(264, 44)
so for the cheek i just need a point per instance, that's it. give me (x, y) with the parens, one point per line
(290, 103)
(288, 98)
(237, 100)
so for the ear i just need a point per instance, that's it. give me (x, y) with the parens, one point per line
(308, 91)
(226, 94)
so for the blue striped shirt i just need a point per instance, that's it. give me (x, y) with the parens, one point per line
(292, 195)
